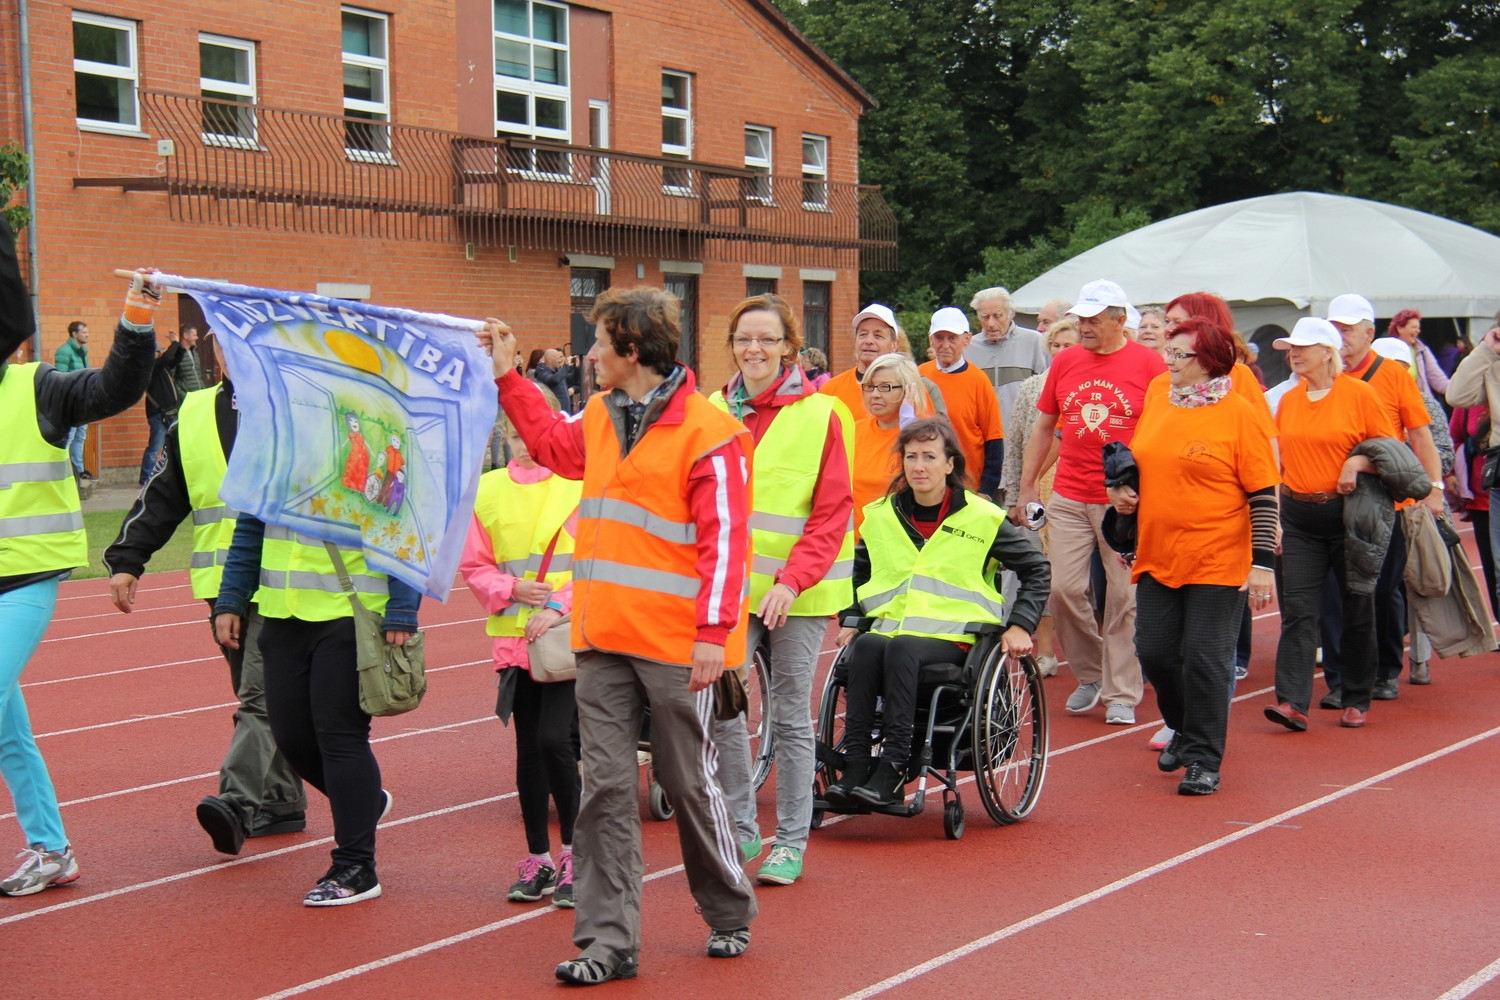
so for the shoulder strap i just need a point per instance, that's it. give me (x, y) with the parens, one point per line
(547, 556)
(345, 584)
(1370, 371)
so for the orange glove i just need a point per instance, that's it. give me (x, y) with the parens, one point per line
(141, 301)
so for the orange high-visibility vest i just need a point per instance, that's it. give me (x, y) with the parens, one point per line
(635, 576)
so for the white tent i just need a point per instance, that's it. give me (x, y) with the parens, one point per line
(1286, 255)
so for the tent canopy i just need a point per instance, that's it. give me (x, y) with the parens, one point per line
(1284, 255)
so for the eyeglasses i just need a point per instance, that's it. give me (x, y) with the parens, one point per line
(744, 342)
(884, 388)
(1175, 356)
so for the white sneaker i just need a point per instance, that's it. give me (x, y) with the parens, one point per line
(1046, 666)
(1119, 715)
(1162, 738)
(39, 869)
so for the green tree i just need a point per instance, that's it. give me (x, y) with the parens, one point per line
(15, 171)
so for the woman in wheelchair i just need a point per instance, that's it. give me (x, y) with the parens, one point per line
(924, 567)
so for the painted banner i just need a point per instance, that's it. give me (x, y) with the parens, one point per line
(360, 425)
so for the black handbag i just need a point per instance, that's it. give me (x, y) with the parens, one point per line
(1489, 476)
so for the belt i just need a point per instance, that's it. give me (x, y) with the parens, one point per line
(1323, 497)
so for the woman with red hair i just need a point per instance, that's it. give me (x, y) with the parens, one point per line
(1407, 325)
(1206, 526)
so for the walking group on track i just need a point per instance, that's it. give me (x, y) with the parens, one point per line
(1154, 497)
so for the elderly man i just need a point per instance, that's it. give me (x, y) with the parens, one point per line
(972, 408)
(876, 332)
(1007, 354)
(1051, 313)
(1092, 396)
(1355, 319)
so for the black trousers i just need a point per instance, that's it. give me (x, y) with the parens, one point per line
(312, 700)
(1185, 639)
(1390, 618)
(546, 718)
(889, 668)
(1312, 543)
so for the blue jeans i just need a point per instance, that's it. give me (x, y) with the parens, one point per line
(24, 616)
(158, 424)
(74, 445)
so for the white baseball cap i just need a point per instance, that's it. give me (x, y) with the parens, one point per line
(1350, 309)
(876, 311)
(1098, 296)
(1132, 317)
(949, 319)
(1311, 330)
(1394, 348)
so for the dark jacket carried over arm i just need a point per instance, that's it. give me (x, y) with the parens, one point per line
(1369, 516)
(1012, 549)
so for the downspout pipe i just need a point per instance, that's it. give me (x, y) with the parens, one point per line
(33, 270)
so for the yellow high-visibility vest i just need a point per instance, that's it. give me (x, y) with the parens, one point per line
(203, 466)
(521, 520)
(41, 520)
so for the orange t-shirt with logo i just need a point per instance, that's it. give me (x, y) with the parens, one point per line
(1197, 465)
(973, 410)
(875, 464)
(1317, 435)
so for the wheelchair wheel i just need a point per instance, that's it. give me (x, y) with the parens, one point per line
(656, 801)
(953, 818)
(1010, 736)
(830, 735)
(758, 717)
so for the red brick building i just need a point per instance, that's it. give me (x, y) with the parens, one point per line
(480, 157)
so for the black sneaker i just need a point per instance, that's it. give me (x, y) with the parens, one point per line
(1385, 690)
(1333, 700)
(885, 786)
(344, 884)
(1199, 780)
(272, 824)
(1169, 760)
(537, 880)
(222, 823)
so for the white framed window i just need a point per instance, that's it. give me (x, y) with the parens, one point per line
(815, 172)
(367, 84)
(226, 72)
(677, 130)
(758, 139)
(531, 78)
(106, 73)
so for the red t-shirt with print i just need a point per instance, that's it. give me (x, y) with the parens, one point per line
(1097, 398)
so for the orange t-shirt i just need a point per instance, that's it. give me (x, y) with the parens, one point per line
(845, 386)
(973, 410)
(1317, 435)
(875, 463)
(1241, 380)
(1197, 464)
(1398, 393)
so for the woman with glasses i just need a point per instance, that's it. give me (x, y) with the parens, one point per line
(1206, 525)
(802, 564)
(894, 394)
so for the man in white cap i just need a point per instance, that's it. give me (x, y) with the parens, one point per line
(876, 332)
(1006, 353)
(1354, 318)
(1091, 397)
(972, 407)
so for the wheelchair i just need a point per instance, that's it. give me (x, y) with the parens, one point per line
(757, 721)
(988, 716)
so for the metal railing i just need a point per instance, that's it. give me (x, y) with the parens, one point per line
(238, 164)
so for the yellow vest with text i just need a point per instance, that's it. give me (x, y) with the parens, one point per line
(935, 590)
(41, 520)
(203, 466)
(521, 520)
(298, 580)
(788, 459)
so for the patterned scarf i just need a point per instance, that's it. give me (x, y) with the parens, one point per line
(1202, 394)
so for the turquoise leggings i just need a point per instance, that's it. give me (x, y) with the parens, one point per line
(24, 616)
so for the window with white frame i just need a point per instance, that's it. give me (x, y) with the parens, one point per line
(758, 158)
(677, 130)
(226, 78)
(367, 82)
(105, 73)
(531, 78)
(815, 171)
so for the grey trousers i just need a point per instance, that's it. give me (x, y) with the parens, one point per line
(254, 775)
(612, 692)
(794, 660)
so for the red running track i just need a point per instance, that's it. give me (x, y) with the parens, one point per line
(1334, 863)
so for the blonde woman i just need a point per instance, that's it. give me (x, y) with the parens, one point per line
(894, 394)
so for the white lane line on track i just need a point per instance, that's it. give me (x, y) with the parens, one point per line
(203, 622)
(114, 612)
(1128, 881)
(112, 673)
(105, 593)
(1481, 978)
(420, 950)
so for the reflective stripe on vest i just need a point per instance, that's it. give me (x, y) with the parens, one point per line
(41, 520)
(298, 580)
(635, 576)
(935, 590)
(203, 467)
(788, 462)
(521, 520)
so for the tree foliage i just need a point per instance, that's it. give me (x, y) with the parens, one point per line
(1011, 133)
(15, 171)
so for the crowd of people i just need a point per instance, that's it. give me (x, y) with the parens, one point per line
(1153, 497)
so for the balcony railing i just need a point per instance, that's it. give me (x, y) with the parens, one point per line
(236, 164)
